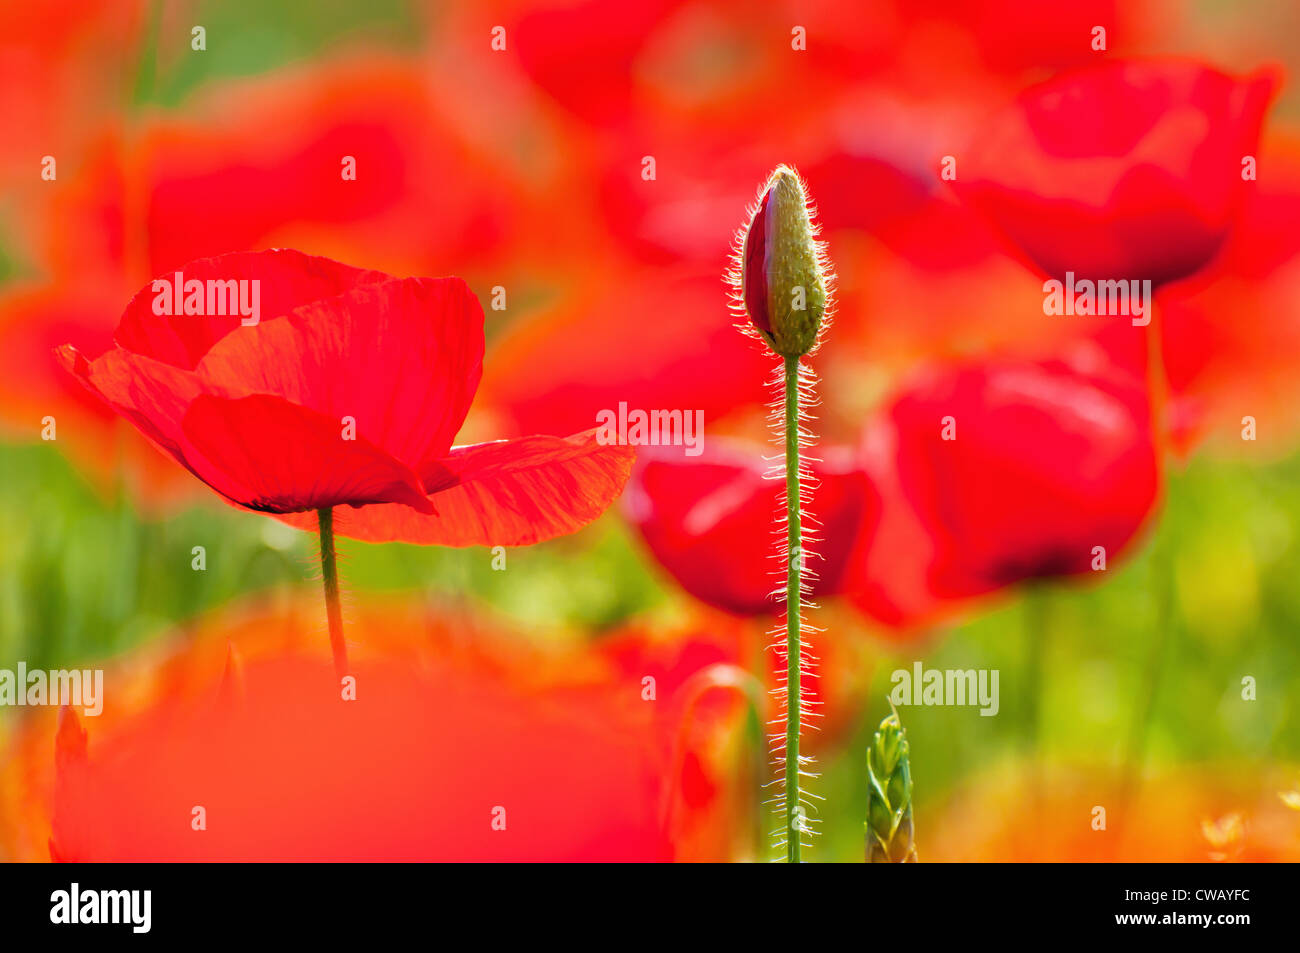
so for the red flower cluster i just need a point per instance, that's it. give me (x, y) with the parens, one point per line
(1027, 447)
(983, 473)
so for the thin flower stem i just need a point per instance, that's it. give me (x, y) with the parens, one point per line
(792, 603)
(330, 574)
(1037, 627)
(1162, 570)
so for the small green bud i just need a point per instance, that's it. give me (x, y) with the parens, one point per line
(889, 796)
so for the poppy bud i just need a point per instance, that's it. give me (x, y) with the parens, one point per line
(782, 272)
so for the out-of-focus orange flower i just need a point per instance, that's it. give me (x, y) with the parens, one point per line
(1215, 812)
(59, 75)
(455, 725)
(712, 666)
(700, 674)
(349, 157)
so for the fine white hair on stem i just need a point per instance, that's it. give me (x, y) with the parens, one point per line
(792, 222)
(808, 710)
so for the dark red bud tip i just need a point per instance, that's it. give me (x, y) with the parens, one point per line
(754, 279)
(782, 269)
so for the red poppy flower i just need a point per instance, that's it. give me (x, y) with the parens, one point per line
(708, 520)
(1018, 470)
(1129, 170)
(1231, 334)
(455, 749)
(260, 162)
(349, 391)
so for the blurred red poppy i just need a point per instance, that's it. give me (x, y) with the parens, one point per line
(729, 64)
(467, 749)
(1231, 333)
(350, 393)
(1127, 170)
(349, 156)
(711, 521)
(1020, 470)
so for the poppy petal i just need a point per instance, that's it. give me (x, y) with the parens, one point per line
(285, 280)
(421, 337)
(504, 493)
(149, 393)
(267, 454)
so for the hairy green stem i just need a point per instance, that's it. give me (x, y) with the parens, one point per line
(793, 597)
(330, 574)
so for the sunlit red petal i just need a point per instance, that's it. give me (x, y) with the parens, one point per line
(402, 358)
(506, 493)
(151, 394)
(288, 279)
(268, 454)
